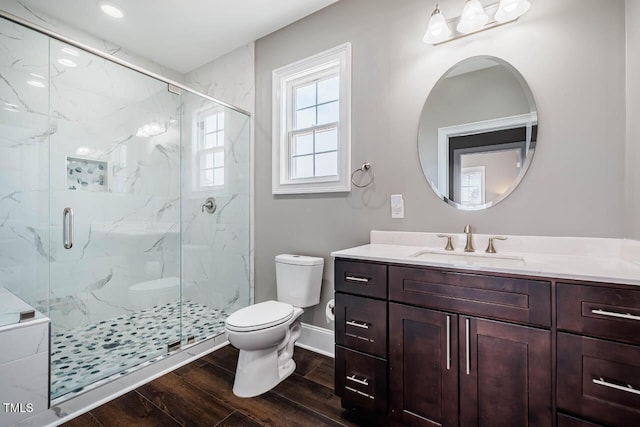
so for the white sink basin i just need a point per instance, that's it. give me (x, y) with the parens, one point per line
(469, 258)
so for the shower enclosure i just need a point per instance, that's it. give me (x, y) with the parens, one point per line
(105, 223)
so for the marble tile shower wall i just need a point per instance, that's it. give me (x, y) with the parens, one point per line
(24, 163)
(130, 232)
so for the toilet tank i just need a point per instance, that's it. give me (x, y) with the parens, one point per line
(299, 279)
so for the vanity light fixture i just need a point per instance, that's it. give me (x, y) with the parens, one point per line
(474, 18)
(111, 10)
(69, 51)
(438, 30)
(36, 83)
(508, 10)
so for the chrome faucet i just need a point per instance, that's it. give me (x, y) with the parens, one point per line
(469, 246)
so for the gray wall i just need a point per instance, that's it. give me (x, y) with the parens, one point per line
(572, 53)
(633, 119)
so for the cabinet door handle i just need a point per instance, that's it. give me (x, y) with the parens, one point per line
(448, 343)
(362, 325)
(628, 316)
(468, 337)
(359, 392)
(627, 388)
(357, 279)
(357, 380)
(67, 228)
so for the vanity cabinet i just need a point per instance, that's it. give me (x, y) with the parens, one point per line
(454, 368)
(430, 346)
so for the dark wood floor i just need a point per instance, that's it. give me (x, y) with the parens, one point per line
(199, 394)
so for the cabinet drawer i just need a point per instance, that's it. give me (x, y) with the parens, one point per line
(361, 380)
(361, 278)
(361, 324)
(503, 298)
(599, 311)
(599, 380)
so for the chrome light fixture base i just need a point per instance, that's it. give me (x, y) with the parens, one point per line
(452, 24)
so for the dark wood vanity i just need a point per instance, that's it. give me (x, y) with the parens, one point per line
(423, 346)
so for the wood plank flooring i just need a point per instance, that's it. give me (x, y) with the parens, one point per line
(199, 394)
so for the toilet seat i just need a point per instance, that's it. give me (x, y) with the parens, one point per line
(259, 316)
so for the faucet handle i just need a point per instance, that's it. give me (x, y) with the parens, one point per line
(490, 248)
(449, 246)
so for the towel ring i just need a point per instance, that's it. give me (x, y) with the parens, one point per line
(365, 167)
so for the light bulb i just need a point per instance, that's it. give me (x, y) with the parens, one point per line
(437, 30)
(508, 10)
(473, 17)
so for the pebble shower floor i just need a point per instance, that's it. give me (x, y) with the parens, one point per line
(89, 353)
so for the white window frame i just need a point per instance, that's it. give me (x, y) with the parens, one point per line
(481, 171)
(337, 59)
(199, 151)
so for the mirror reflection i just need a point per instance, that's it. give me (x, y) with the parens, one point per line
(477, 133)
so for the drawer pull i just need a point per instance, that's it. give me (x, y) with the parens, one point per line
(359, 392)
(448, 343)
(626, 388)
(357, 279)
(357, 324)
(614, 314)
(357, 380)
(468, 352)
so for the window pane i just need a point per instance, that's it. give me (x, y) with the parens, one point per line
(327, 140)
(305, 96)
(220, 138)
(210, 140)
(305, 118)
(206, 178)
(327, 164)
(328, 113)
(218, 175)
(206, 161)
(210, 124)
(220, 120)
(218, 159)
(328, 90)
(302, 144)
(302, 167)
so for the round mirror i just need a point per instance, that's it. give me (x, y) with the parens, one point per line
(477, 133)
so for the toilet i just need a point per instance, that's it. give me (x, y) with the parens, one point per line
(265, 333)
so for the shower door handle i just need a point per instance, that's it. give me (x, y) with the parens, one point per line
(67, 228)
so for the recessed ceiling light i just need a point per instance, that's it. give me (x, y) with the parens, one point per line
(111, 10)
(67, 62)
(69, 51)
(35, 83)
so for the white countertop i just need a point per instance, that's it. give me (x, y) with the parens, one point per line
(590, 259)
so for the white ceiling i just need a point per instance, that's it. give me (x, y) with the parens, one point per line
(185, 34)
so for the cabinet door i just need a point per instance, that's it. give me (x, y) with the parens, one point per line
(423, 372)
(505, 374)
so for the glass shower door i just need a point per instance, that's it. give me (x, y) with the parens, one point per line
(115, 218)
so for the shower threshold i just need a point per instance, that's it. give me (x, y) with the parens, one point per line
(84, 356)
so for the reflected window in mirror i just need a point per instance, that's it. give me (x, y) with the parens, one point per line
(480, 114)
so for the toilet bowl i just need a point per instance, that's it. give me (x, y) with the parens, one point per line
(152, 293)
(265, 333)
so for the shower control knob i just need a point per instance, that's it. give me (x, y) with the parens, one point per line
(209, 205)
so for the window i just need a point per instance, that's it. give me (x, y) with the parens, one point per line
(311, 124)
(472, 186)
(209, 155)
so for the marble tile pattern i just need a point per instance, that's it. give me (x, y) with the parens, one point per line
(86, 354)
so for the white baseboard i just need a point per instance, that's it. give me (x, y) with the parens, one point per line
(319, 340)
